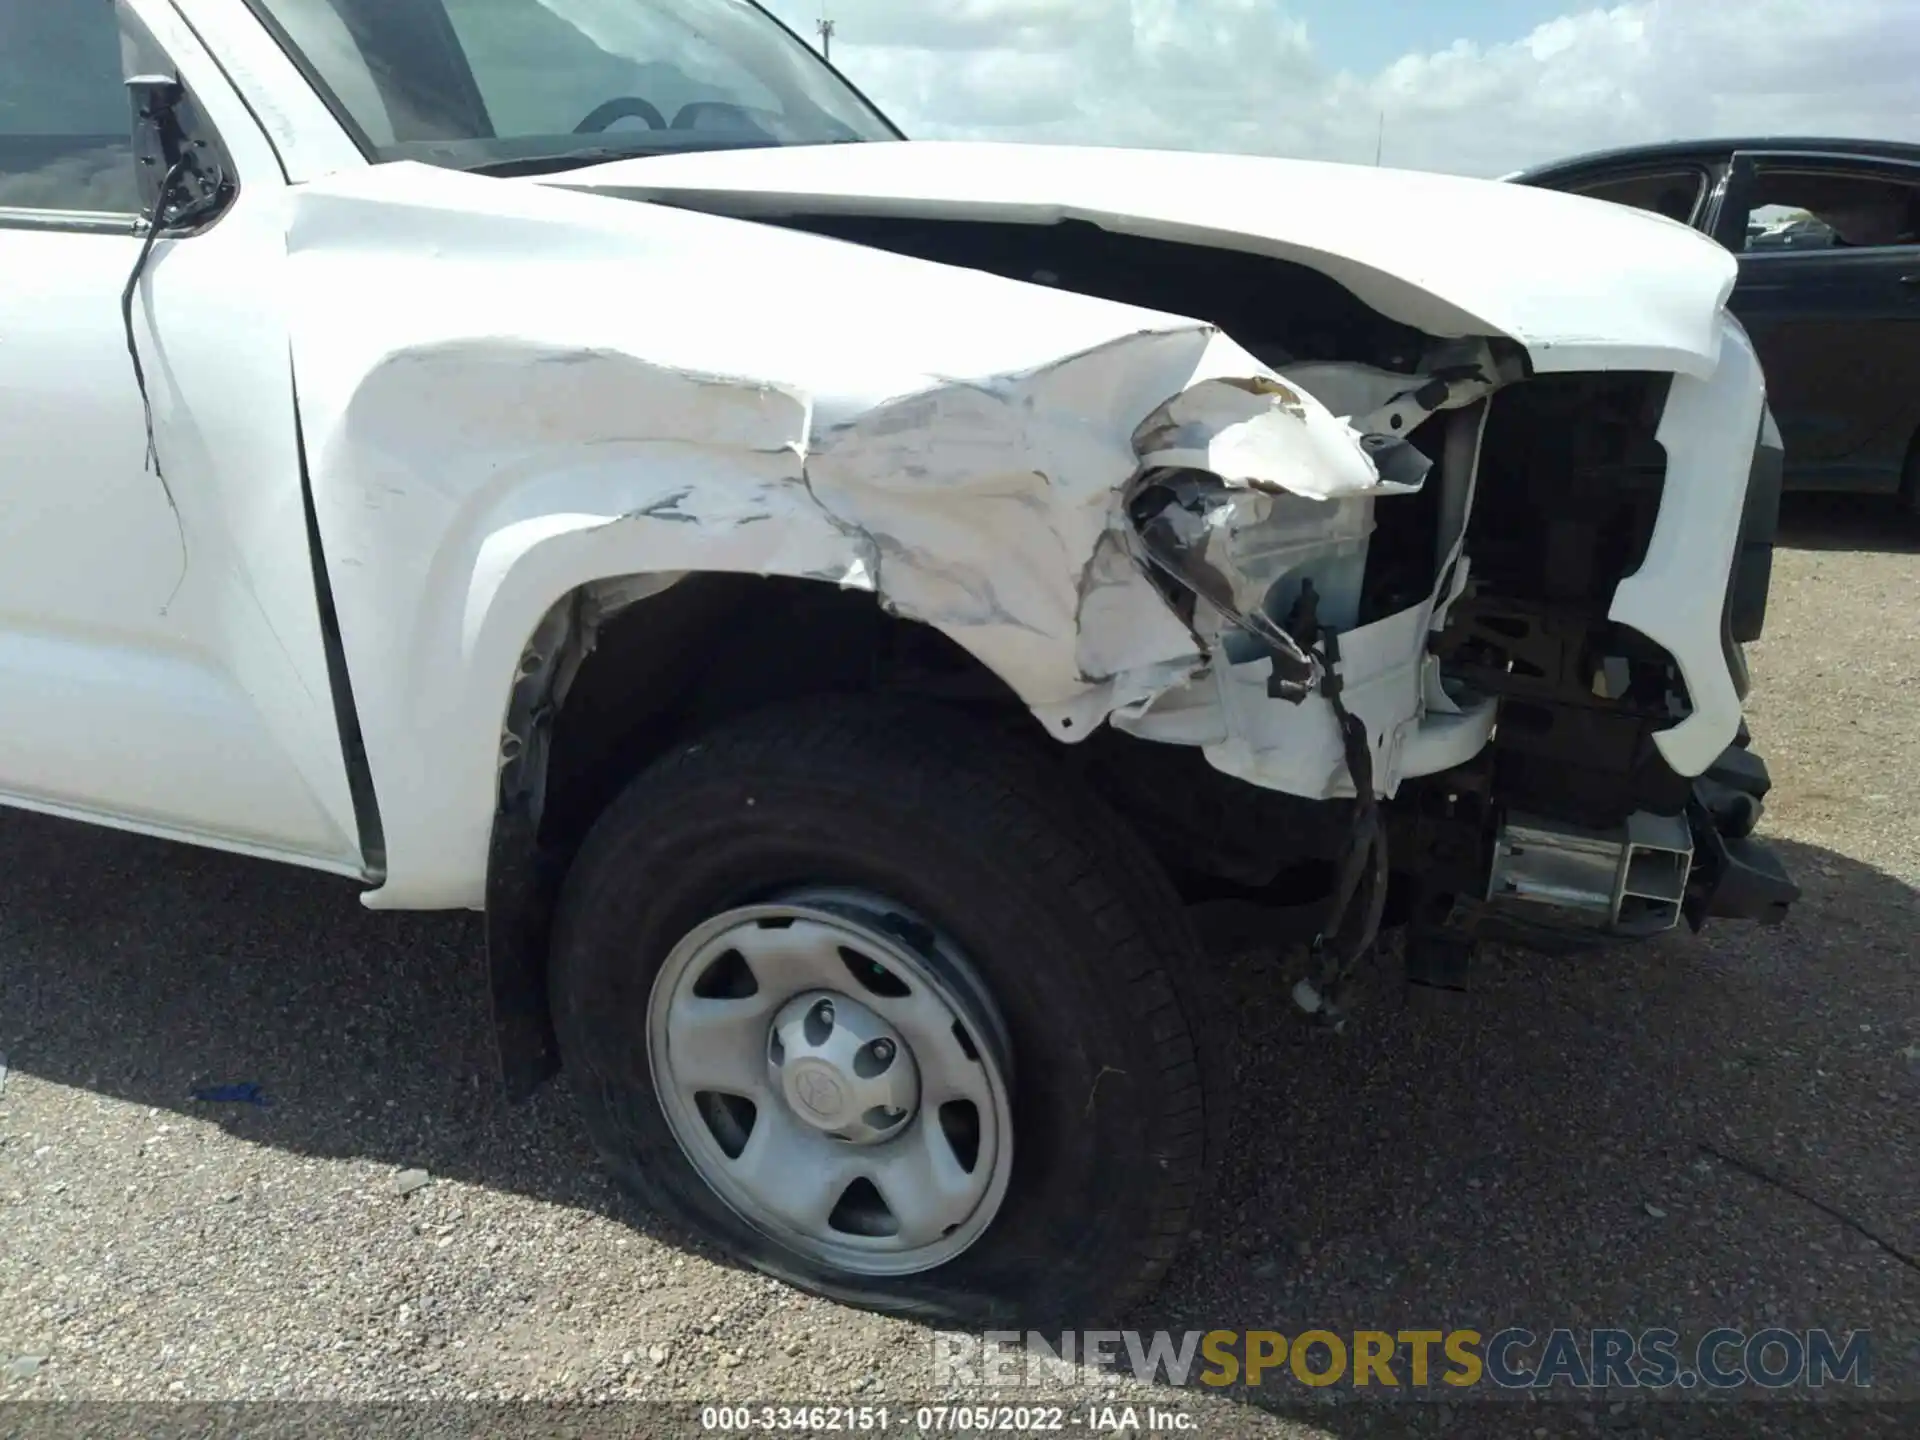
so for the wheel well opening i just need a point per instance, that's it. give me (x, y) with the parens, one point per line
(595, 703)
(714, 646)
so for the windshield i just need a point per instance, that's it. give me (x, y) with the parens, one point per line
(512, 86)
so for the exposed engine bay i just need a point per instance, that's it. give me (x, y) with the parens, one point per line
(1533, 795)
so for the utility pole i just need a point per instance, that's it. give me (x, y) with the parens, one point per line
(1380, 145)
(826, 37)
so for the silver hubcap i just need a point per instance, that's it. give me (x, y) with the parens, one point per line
(836, 1071)
(842, 1069)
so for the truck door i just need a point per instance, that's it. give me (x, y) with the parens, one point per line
(162, 666)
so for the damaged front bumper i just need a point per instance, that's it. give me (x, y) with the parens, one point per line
(1640, 878)
(1223, 512)
(1261, 572)
(1735, 877)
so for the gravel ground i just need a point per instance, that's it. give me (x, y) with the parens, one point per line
(1666, 1135)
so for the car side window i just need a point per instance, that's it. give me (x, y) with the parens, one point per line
(66, 140)
(1675, 194)
(1825, 209)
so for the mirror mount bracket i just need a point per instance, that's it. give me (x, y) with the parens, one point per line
(164, 147)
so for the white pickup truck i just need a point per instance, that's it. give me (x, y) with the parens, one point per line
(843, 607)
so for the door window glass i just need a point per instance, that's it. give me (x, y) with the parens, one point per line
(65, 122)
(1830, 210)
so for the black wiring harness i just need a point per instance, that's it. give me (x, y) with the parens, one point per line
(1176, 514)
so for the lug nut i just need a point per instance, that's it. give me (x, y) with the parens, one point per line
(883, 1051)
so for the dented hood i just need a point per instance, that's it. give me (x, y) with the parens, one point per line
(1580, 283)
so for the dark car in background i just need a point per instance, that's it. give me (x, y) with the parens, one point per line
(1828, 235)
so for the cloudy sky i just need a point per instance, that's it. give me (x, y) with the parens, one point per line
(1477, 86)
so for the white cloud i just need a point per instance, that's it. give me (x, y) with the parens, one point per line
(1247, 75)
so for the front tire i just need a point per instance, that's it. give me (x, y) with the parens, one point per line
(884, 1005)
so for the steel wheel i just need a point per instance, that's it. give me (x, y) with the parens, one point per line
(836, 1071)
(943, 888)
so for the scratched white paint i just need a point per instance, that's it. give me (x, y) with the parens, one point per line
(510, 391)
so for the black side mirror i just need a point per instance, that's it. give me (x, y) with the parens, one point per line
(164, 145)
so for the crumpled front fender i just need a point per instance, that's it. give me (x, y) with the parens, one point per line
(493, 421)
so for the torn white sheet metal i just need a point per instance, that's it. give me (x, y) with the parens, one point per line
(1297, 748)
(1259, 432)
(1266, 547)
(510, 391)
(1388, 679)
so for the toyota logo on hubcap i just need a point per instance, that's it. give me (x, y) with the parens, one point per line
(819, 1092)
